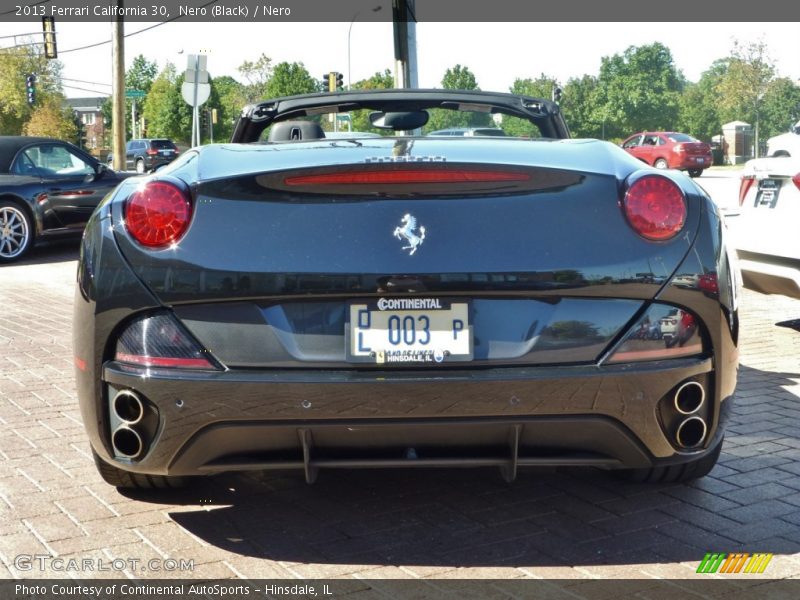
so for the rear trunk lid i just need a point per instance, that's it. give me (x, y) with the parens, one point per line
(257, 233)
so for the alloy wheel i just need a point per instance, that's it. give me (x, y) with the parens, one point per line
(14, 232)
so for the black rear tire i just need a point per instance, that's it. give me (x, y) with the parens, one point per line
(136, 481)
(695, 172)
(674, 473)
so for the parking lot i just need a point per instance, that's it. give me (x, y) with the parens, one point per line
(569, 523)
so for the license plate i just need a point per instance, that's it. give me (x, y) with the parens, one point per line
(700, 160)
(409, 331)
(767, 193)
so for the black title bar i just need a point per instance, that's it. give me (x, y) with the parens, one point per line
(423, 11)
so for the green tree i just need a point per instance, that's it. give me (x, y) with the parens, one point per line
(577, 104)
(639, 89)
(457, 78)
(160, 106)
(257, 74)
(541, 87)
(781, 107)
(15, 65)
(378, 81)
(50, 119)
(745, 83)
(700, 113)
(139, 76)
(231, 101)
(289, 79)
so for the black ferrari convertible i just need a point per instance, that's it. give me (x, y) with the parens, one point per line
(48, 190)
(293, 300)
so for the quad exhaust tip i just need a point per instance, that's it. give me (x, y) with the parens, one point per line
(128, 407)
(691, 432)
(689, 398)
(127, 443)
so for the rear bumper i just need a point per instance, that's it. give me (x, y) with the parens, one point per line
(240, 420)
(770, 274)
(694, 162)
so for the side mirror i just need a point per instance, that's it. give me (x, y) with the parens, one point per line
(100, 169)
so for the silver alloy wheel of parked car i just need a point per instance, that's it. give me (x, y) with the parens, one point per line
(140, 166)
(661, 164)
(15, 232)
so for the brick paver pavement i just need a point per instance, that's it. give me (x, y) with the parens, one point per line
(576, 523)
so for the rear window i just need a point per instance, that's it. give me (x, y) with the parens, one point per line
(681, 137)
(162, 144)
(441, 121)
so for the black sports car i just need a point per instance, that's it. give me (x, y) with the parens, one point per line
(48, 189)
(288, 301)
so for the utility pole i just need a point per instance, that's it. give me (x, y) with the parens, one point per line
(118, 90)
(405, 44)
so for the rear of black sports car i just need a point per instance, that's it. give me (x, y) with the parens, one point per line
(405, 302)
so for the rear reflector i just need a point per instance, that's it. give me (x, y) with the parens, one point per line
(663, 332)
(159, 341)
(157, 214)
(655, 207)
(407, 176)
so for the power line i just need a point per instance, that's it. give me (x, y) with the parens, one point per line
(5, 37)
(82, 81)
(72, 87)
(127, 35)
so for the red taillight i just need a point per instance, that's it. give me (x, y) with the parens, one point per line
(796, 181)
(679, 148)
(152, 152)
(157, 214)
(407, 176)
(745, 185)
(655, 207)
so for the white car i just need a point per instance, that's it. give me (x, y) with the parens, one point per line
(785, 144)
(765, 232)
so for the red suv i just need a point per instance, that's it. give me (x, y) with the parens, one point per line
(670, 150)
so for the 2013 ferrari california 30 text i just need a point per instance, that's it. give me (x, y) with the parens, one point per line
(291, 301)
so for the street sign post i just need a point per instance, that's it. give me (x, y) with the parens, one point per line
(196, 90)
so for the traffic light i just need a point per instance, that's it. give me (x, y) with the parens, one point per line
(30, 88)
(49, 33)
(339, 82)
(557, 93)
(204, 119)
(214, 116)
(325, 82)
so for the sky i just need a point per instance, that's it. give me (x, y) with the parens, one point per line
(497, 53)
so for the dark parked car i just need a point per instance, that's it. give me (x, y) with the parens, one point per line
(289, 301)
(48, 189)
(670, 150)
(147, 154)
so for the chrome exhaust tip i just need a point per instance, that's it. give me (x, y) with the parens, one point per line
(127, 443)
(689, 398)
(691, 432)
(128, 407)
